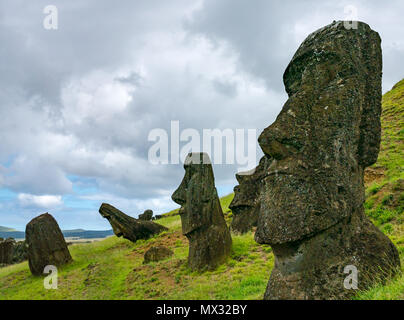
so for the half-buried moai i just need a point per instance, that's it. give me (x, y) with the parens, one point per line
(312, 198)
(147, 215)
(46, 244)
(246, 202)
(201, 215)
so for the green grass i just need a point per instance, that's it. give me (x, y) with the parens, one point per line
(114, 269)
(385, 192)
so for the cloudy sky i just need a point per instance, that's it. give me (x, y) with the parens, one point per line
(77, 103)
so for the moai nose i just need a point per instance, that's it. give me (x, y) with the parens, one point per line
(178, 196)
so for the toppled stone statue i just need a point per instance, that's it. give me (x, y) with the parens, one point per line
(246, 204)
(12, 252)
(201, 215)
(20, 251)
(7, 251)
(312, 198)
(147, 215)
(157, 253)
(128, 227)
(46, 244)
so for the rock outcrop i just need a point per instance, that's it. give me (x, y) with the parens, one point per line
(312, 197)
(128, 227)
(201, 215)
(20, 252)
(157, 253)
(46, 244)
(246, 202)
(7, 250)
(12, 251)
(147, 215)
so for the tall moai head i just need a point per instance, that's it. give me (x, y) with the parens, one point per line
(201, 214)
(197, 194)
(327, 132)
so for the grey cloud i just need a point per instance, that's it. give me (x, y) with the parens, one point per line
(82, 100)
(266, 34)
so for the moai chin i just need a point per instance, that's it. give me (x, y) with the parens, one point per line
(201, 215)
(312, 198)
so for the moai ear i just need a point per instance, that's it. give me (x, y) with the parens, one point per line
(370, 127)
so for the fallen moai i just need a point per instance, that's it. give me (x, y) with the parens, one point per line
(129, 227)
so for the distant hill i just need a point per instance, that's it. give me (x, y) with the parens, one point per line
(77, 233)
(5, 229)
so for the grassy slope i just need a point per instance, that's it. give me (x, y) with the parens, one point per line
(385, 186)
(113, 269)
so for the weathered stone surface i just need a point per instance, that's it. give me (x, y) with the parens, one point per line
(46, 244)
(20, 252)
(246, 202)
(157, 253)
(201, 214)
(147, 215)
(128, 227)
(312, 197)
(7, 251)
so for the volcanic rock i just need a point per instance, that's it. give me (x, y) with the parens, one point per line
(157, 253)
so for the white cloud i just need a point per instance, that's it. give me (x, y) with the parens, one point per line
(80, 101)
(96, 96)
(44, 201)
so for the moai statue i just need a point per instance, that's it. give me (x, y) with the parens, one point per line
(147, 215)
(312, 198)
(128, 227)
(46, 244)
(201, 215)
(246, 202)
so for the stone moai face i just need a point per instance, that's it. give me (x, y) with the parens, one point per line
(326, 134)
(196, 194)
(246, 204)
(201, 215)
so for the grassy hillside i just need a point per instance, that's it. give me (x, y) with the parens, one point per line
(113, 268)
(385, 186)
